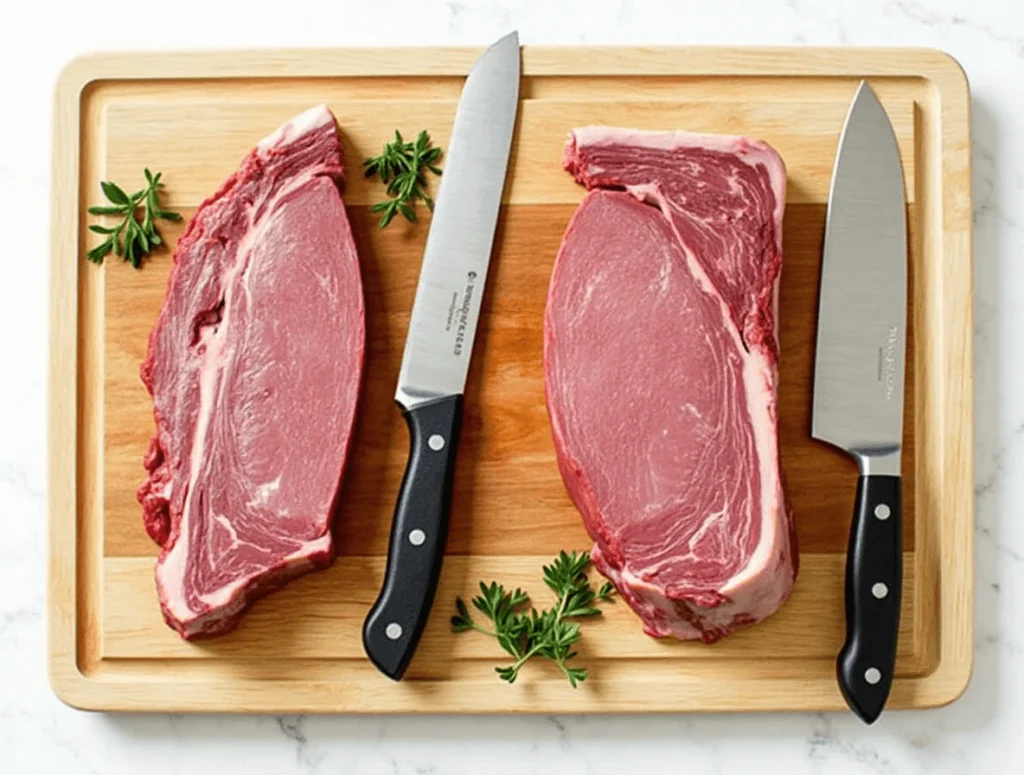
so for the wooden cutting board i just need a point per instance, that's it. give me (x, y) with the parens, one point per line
(194, 116)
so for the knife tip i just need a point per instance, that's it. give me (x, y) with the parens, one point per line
(511, 39)
(864, 91)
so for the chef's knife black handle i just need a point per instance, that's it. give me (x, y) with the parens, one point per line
(419, 532)
(874, 570)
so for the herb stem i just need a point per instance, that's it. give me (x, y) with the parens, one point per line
(524, 658)
(564, 598)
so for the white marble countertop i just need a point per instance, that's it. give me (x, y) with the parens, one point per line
(983, 732)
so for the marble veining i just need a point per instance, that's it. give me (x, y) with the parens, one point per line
(979, 733)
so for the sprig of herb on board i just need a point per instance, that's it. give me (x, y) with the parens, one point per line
(130, 238)
(401, 168)
(550, 633)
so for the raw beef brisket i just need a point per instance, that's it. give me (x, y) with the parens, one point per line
(660, 363)
(254, 366)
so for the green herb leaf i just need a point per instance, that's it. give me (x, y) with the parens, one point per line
(389, 213)
(507, 673)
(104, 210)
(576, 675)
(462, 621)
(130, 238)
(114, 193)
(97, 253)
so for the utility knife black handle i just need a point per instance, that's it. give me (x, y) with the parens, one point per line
(874, 570)
(419, 533)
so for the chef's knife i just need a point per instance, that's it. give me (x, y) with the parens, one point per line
(438, 348)
(858, 385)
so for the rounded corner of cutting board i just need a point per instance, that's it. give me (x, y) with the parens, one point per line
(78, 73)
(70, 685)
(949, 75)
(947, 683)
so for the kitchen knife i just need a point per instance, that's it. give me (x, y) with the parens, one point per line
(438, 347)
(858, 385)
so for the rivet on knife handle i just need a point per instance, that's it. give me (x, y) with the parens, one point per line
(419, 532)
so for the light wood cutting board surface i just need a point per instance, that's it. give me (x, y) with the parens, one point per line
(194, 116)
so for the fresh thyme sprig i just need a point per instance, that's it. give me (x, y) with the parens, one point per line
(401, 168)
(130, 239)
(549, 633)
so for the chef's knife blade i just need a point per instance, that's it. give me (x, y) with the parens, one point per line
(438, 348)
(858, 385)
